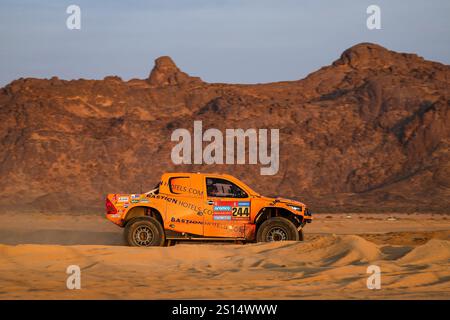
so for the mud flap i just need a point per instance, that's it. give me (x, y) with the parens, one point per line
(250, 231)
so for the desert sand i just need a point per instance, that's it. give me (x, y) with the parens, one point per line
(413, 252)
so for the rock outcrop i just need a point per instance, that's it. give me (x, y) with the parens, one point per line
(166, 73)
(370, 132)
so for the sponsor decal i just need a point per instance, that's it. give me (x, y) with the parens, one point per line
(144, 201)
(238, 210)
(163, 197)
(241, 213)
(123, 199)
(134, 201)
(225, 204)
(182, 189)
(187, 221)
(222, 217)
(180, 203)
(135, 196)
(233, 228)
(125, 205)
(222, 208)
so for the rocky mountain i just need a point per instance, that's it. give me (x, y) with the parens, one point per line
(370, 132)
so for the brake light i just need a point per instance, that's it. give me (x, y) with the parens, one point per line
(110, 208)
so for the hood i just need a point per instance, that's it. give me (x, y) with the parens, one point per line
(285, 200)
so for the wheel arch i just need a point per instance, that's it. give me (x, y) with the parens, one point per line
(143, 211)
(270, 212)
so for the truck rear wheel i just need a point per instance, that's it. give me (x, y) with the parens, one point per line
(144, 232)
(277, 229)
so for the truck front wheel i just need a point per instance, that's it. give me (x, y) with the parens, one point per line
(277, 229)
(144, 232)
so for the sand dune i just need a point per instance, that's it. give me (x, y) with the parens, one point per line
(325, 266)
(433, 251)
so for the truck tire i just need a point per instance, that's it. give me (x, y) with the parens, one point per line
(277, 229)
(301, 236)
(144, 232)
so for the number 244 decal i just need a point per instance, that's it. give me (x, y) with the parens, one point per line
(241, 211)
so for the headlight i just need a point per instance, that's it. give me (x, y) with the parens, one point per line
(296, 208)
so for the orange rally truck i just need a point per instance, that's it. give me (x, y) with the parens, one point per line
(197, 206)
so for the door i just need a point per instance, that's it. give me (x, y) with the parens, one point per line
(184, 212)
(228, 207)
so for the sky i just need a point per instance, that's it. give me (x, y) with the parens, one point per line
(246, 41)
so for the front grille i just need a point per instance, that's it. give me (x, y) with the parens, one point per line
(308, 212)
